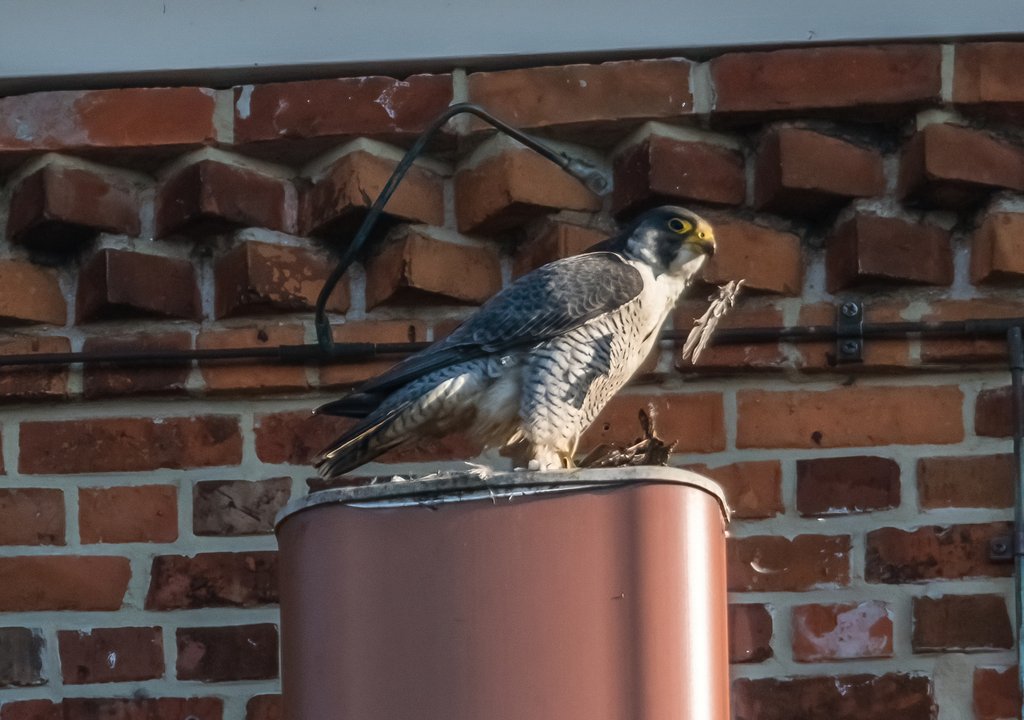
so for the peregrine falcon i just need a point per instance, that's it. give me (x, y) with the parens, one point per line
(532, 368)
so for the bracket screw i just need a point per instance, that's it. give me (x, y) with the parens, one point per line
(999, 547)
(850, 347)
(850, 309)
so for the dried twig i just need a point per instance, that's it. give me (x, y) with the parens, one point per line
(705, 325)
(649, 449)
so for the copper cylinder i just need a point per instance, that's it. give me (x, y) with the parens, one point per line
(597, 595)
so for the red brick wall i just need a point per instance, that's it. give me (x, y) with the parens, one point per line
(137, 564)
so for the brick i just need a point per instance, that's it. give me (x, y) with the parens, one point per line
(879, 81)
(993, 413)
(105, 655)
(977, 481)
(985, 79)
(376, 331)
(968, 350)
(336, 203)
(769, 260)
(138, 513)
(63, 582)
(550, 240)
(842, 485)
(958, 623)
(845, 631)
(676, 416)
(898, 415)
(256, 278)
(869, 249)
(118, 283)
(996, 693)
(210, 196)
(205, 708)
(31, 516)
(252, 375)
(605, 95)
(835, 697)
(30, 294)
(21, 657)
(31, 710)
(716, 358)
(129, 444)
(778, 564)
(996, 249)
(238, 507)
(750, 633)
(508, 189)
(660, 170)
(115, 118)
(218, 579)
(414, 268)
(342, 107)
(946, 166)
(895, 555)
(264, 707)
(114, 379)
(877, 354)
(752, 489)
(795, 173)
(222, 654)
(26, 382)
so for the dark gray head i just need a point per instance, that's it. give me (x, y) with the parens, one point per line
(668, 237)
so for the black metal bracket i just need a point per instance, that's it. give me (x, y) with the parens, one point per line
(850, 332)
(1000, 549)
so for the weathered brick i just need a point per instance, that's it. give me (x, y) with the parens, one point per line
(129, 444)
(136, 513)
(257, 277)
(997, 248)
(953, 623)
(252, 375)
(993, 412)
(31, 710)
(31, 516)
(30, 294)
(376, 331)
(752, 489)
(846, 631)
(899, 415)
(107, 655)
(102, 380)
(238, 507)
(984, 481)
(796, 173)
(895, 555)
(968, 350)
(769, 260)
(119, 283)
(748, 313)
(777, 564)
(550, 240)
(211, 196)
(21, 657)
(342, 107)
(513, 187)
(62, 582)
(837, 486)
(835, 697)
(203, 708)
(985, 79)
(219, 579)
(750, 633)
(264, 707)
(675, 417)
(414, 268)
(221, 654)
(996, 693)
(879, 81)
(26, 382)
(662, 170)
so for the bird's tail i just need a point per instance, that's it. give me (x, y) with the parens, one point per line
(359, 445)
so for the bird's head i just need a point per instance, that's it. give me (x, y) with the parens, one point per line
(670, 239)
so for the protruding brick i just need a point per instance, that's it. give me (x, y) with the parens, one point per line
(252, 375)
(220, 579)
(662, 170)
(974, 481)
(953, 167)
(895, 555)
(847, 631)
(118, 283)
(750, 633)
(796, 173)
(137, 513)
(842, 697)
(513, 187)
(335, 204)
(954, 623)
(203, 708)
(606, 94)
(997, 248)
(778, 564)
(769, 260)
(31, 516)
(257, 277)
(111, 655)
(30, 294)
(415, 267)
(986, 79)
(264, 707)
(63, 582)
(896, 415)
(996, 693)
(104, 445)
(211, 196)
(375, 331)
(872, 249)
(21, 657)
(222, 654)
(837, 486)
(879, 81)
(550, 241)
(26, 382)
(238, 507)
(676, 415)
(143, 379)
(343, 107)
(993, 413)
(752, 489)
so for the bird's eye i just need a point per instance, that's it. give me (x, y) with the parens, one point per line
(679, 226)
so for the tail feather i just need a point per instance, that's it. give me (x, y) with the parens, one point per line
(359, 445)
